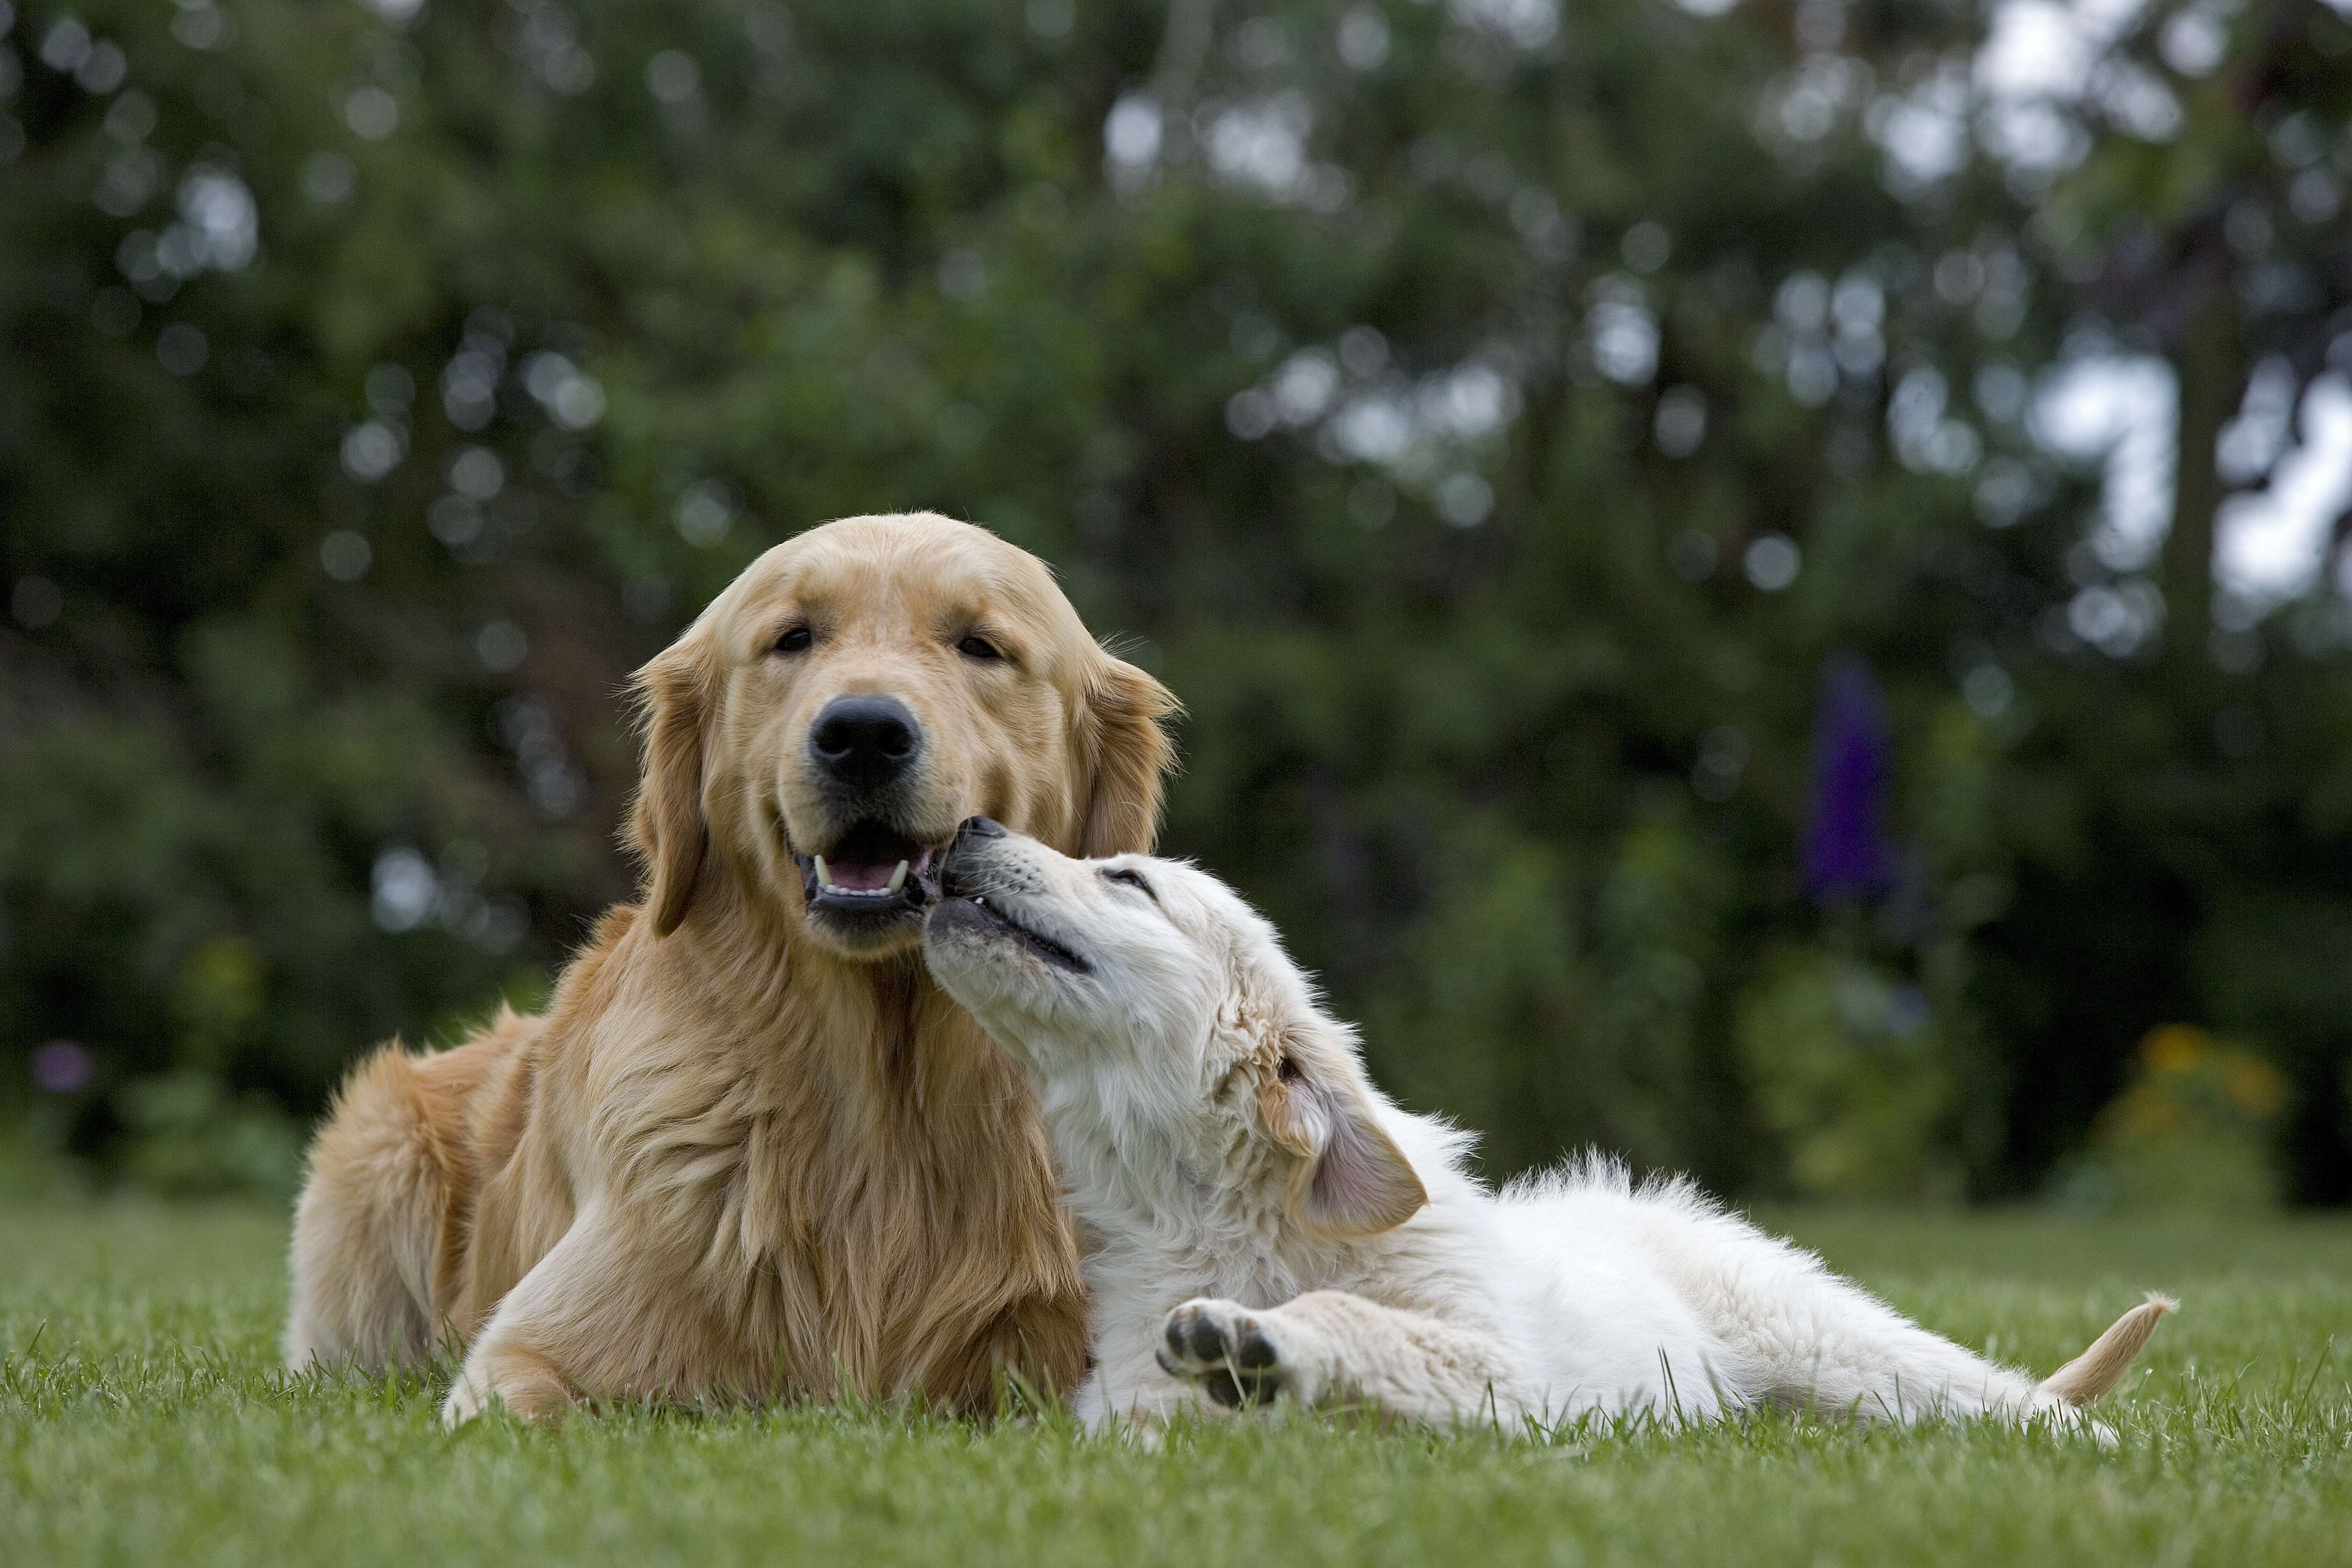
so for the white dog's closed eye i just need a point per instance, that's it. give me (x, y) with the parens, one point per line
(1132, 879)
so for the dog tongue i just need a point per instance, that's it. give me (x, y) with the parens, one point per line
(872, 876)
(851, 877)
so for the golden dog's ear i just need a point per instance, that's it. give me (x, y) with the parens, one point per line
(667, 828)
(1352, 1180)
(1129, 758)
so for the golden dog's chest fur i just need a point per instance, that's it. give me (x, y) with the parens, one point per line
(729, 1163)
(822, 1236)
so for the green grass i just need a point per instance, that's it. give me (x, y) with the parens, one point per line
(142, 1420)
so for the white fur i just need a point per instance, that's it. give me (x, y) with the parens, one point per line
(1235, 1210)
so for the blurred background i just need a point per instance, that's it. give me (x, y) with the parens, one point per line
(1765, 585)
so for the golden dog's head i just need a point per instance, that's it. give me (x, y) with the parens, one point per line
(862, 688)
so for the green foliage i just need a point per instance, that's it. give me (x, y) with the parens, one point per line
(1851, 1076)
(1415, 412)
(1594, 987)
(2195, 1129)
(190, 1138)
(142, 1416)
(33, 1158)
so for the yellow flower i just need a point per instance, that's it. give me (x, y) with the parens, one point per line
(2252, 1084)
(2171, 1048)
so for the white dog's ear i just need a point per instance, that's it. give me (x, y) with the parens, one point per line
(1352, 1179)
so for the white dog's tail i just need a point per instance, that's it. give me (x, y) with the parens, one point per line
(2100, 1368)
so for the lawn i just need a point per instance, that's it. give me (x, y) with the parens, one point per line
(142, 1419)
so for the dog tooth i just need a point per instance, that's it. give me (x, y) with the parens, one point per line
(823, 877)
(899, 877)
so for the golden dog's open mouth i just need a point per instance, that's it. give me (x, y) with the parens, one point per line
(872, 876)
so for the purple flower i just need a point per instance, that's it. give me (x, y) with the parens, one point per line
(62, 1067)
(1844, 856)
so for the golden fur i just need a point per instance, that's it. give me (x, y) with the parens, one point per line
(743, 1155)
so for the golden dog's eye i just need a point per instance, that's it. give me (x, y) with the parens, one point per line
(1132, 879)
(979, 647)
(796, 640)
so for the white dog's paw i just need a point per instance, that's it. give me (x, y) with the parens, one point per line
(2059, 1416)
(1230, 1352)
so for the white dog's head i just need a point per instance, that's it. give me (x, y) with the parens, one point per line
(1179, 1055)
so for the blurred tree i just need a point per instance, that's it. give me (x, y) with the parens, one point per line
(1491, 418)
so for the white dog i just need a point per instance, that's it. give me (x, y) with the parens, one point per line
(1260, 1221)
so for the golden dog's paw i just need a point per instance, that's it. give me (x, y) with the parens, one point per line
(465, 1403)
(1225, 1349)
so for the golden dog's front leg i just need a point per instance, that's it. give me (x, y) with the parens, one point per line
(510, 1374)
(1329, 1348)
(595, 1316)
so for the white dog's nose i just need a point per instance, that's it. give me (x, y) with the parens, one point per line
(956, 867)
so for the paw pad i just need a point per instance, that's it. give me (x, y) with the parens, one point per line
(1222, 1349)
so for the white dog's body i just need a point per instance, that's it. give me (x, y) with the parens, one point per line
(1260, 1221)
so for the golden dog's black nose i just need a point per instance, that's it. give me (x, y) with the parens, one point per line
(864, 740)
(981, 827)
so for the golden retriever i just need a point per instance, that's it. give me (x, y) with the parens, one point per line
(751, 1150)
